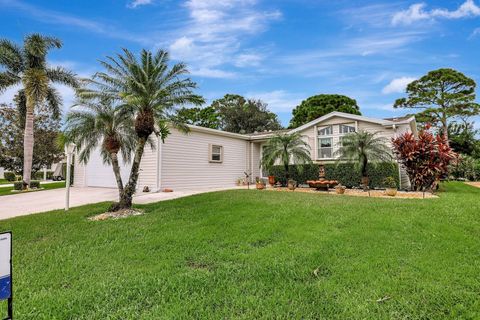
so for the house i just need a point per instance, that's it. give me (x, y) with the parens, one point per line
(212, 158)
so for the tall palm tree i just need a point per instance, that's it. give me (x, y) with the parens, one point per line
(361, 148)
(150, 90)
(28, 67)
(99, 121)
(286, 149)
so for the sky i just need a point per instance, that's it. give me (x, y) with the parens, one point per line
(279, 51)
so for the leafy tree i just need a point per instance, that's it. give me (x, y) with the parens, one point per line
(426, 158)
(46, 129)
(286, 149)
(150, 90)
(442, 94)
(320, 105)
(93, 122)
(28, 67)
(463, 138)
(240, 115)
(361, 148)
(203, 117)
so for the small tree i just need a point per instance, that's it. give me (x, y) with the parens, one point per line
(240, 115)
(320, 105)
(98, 123)
(441, 94)
(46, 130)
(426, 158)
(151, 90)
(204, 117)
(27, 66)
(286, 149)
(361, 148)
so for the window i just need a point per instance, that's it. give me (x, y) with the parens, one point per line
(216, 153)
(345, 128)
(325, 148)
(325, 131)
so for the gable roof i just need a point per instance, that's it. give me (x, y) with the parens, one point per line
(383, 122)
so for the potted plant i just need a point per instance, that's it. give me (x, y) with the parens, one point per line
(339, 189)
(271, 180)
(259, 183)
(239, 181)
(390, 186)
(292, 184)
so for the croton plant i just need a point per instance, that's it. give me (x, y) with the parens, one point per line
(425, 158)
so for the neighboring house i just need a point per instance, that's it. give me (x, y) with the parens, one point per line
(2, 171)
(212, 158)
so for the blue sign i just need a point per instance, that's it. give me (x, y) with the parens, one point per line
(5, 265)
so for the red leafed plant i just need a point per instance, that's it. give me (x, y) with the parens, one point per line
(425, 158)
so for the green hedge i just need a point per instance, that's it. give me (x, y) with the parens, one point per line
(18, 185)
(345, 173)
(9, 176)
(34, 184)
(39, 175)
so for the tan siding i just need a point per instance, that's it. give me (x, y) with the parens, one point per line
(185, 162)
(149, 168)
(78, 174)
(256, 160)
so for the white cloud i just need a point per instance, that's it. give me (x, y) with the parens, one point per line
(397, 85)
(278, 101)
(213, 35)
(137, 3)
(248, 60)
(475, 33)
(416, 12)
(64, 19)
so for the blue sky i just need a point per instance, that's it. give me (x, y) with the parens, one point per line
(279, 51)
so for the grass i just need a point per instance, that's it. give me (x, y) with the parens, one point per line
(5, 191)
(4, 181)
(252, 254)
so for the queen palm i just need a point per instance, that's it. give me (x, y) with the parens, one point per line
(361, 148)
(286, 149)
(28, 68)
(150, 90)
(94, 122)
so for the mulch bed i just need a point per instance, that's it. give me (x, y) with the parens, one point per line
(121, 214)
(361, 193)
(474, 184)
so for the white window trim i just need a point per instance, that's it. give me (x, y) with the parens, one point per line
(210, 153)
(320, 147)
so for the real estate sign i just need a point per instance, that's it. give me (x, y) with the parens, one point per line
(5, 265)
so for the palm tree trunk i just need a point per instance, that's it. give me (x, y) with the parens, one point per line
(28, 143)
(116, 171)
(127, 194)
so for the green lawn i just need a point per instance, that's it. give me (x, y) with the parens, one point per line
(251, 254)
(5, 191)
(4, 181)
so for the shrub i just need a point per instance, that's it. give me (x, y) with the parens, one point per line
(426, 158)
(18, 185)
(345, 173)
(38, 175)
(390, 182)
(34, 184)
(9, 176)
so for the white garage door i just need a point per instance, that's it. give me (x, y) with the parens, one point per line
(101, 175)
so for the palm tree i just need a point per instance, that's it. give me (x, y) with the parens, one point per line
(96, 121)
(286, 149)
(28, 67)
(150, 90)
(363, 147)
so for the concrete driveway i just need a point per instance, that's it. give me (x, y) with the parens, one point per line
(41, 201)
